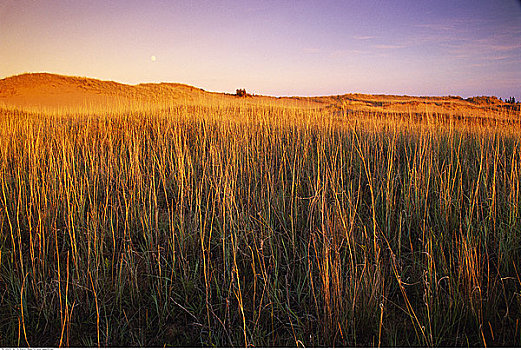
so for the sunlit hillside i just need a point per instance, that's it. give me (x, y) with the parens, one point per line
(58, 93)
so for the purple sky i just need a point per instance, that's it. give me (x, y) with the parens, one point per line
(306, 47)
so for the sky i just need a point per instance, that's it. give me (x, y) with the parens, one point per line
(281, 47)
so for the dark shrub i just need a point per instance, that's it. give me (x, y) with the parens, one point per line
(242, 93)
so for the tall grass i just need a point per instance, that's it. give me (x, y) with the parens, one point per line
(246, 225)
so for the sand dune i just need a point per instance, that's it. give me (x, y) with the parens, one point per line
(45, 90)
(52, 90)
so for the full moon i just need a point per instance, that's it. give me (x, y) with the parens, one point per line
(153, 58)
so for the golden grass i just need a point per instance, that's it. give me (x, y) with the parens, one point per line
(236, 222)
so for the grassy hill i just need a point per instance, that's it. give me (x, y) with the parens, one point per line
(51, 91)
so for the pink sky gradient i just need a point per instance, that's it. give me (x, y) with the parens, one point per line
(305, 47)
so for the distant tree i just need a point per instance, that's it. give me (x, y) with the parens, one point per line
(241, 93)
(511, 100)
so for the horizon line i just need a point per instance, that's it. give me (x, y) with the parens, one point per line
(249, 91)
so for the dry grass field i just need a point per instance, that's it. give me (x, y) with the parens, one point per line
(161, 214)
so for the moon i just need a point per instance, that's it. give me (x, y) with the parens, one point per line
(153, 58)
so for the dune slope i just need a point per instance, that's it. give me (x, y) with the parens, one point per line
(45, 90)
